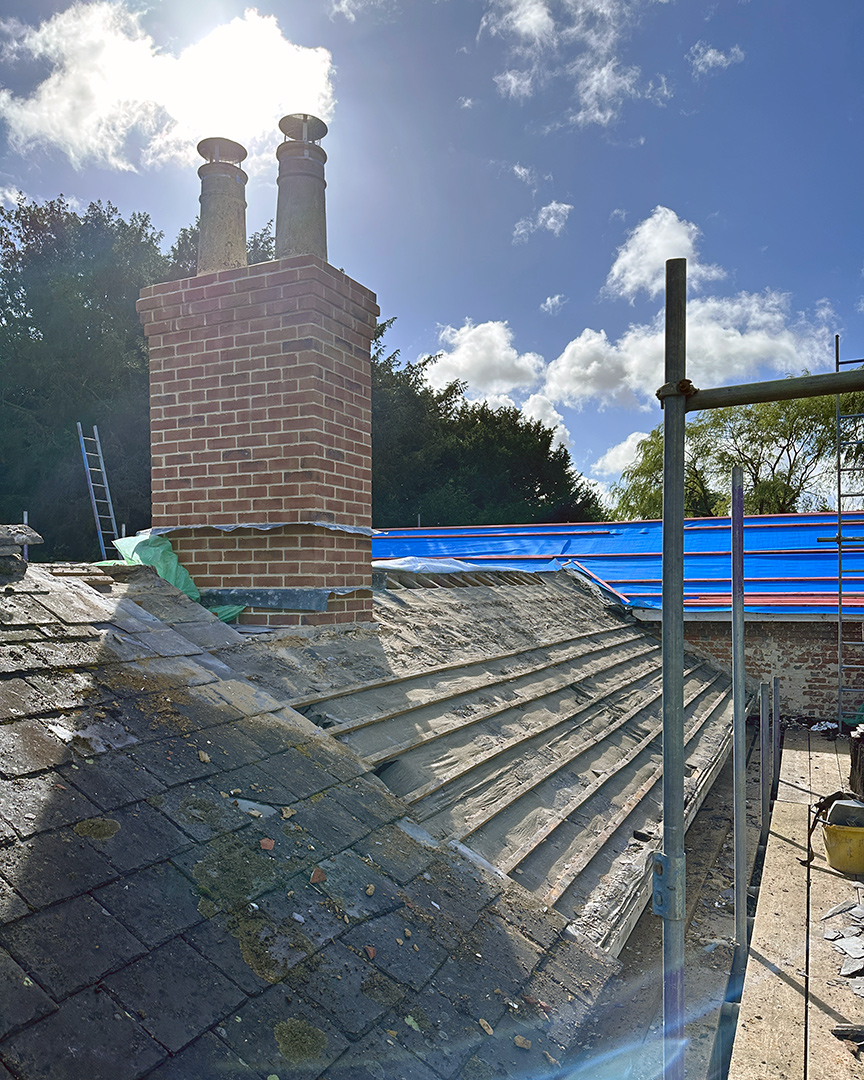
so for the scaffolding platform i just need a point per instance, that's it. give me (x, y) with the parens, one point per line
(794, 997)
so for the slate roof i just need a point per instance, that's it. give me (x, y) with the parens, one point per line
(521, 718)
(196, 881)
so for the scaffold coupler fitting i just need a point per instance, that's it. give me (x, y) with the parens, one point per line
(668, 887)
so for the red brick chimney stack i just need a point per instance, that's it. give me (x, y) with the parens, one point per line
(261, 431)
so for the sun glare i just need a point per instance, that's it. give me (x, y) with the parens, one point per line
(109, 79)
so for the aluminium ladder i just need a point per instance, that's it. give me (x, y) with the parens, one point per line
(850, 501)
(97, 484)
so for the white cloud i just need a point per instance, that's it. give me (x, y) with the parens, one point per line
(9, 196)
(526, 174)
(109, 84)
(603, 89)
(641, 261)
(529, 21)
(539, 407)
(483, 356)
(618, 457)
(466, 103)
(553, 217)
(553, 304)
(515, 84)
(351, 8)
(728, 339)
(496, 401)
(705, 59)
(581, 43)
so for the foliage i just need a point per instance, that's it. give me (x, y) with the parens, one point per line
(786, 449)
(183, 255)
(261, 245)
(454, 462)
(71, 348)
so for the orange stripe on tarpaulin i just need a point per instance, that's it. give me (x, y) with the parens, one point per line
(725, 580)
(775, 599)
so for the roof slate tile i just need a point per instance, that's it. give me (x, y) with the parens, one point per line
(201, 812)
(446, 1037)
(89, 1036)
(348, 881)
(349, 986)
(167, 990)
(411, 958)
(36, 804)
(19, 699)
(21, 1001)
(155, 904)
(112, 780)
(392, 1058)
(173, 761)
(206, 1058)
(27, 746)
(71, 945)
(54, 866)
(213, 939)
(309, 1037)
(143, 836)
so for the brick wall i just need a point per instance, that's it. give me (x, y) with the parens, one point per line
(260, 413)
(803, 655)
(294, 557)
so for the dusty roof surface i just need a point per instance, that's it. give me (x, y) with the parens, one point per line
(521, 720)
(198, 881)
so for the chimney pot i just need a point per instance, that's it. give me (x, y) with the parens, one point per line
(222, 224)
(301, 219)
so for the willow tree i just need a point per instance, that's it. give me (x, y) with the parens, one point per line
(787, 450)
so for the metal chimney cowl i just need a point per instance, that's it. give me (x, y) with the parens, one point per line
(301, 219)
(222, 223)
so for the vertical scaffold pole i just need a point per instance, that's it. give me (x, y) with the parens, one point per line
(775, 733)
(766, 773)
(739, 719)
(669, 871)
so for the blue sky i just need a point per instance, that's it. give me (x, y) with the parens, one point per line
(508, 175)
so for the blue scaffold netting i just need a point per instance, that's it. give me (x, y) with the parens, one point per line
(790, 560)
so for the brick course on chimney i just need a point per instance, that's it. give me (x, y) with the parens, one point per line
(260, 415)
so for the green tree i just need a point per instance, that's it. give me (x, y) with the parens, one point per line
(71, 348)
(455, 462)
(787, 450)
(183, 255)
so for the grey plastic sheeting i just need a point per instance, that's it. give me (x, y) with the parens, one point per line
(261, 526)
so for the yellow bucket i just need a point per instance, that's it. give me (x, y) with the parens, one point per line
(844, 847)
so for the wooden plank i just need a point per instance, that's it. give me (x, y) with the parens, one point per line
(769, 1041)
(830, 1001)
(599, 701)
(557, 678)
(794, 783)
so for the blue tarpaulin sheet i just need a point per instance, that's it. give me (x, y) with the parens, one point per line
(790, 560)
